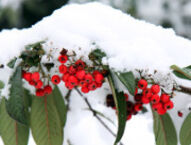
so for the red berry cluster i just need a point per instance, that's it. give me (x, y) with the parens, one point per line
(34, 80)
(132, 108)
(77, 74)
(160, 103)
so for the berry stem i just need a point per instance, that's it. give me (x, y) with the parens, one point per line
(95, 113)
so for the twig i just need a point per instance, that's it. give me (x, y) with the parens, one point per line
(67, 97)
(184, 89)
(95, 114)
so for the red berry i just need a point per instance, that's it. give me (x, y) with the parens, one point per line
(84, 89)
(145, 100)
(72, 69)
(180, 114)
(80, 64)
(161, 111)
(32, 83)
(39, 92)
(48, 89)
(65, 77)
(72, 80)
(138, 97)
(27, 76)
(147, 93)
(55, 79)
(63, 58)
(169, 105)
(35, 76)
(138, 107)
(155, 98)
(83, 83)
(129, 105)
(69, 86)
(95, 72)
(165, 98)
(126, 97)
(136, 91)
(99, 85)
(98, 78)
(88, 78)
(38, 84)
(129, 117)
(92, 86)
(142, 84)
(80, 74)
(63, 69)
(157, 106)
(155, 89)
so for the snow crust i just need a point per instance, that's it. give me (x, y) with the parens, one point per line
(129, 44)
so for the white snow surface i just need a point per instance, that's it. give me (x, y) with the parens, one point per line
(129, 44)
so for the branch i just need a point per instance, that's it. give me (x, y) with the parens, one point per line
(184, 89)
(95, 114)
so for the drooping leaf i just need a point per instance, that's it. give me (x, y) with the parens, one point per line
(1, 85)
(15, 104)
(45, 122)
(184, 73)
(11, 64)
(185, 132)
(12, 132)
(60, 104)
(128, 80)
(164, 130)
(120, 104)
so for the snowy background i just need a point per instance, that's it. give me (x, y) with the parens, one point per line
(129, 44)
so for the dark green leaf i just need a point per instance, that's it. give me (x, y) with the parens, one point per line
(11, 64)
(60, 104)
(15, 104)
(12, 132)
(49, 66)
(184, 73)
(165, 132)
(185, 132)
(128, 80)
(1, 85)
(36, 45)
(45, 122)
(96, 54)
(120, 104)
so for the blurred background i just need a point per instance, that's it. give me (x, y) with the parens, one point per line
(174, 14)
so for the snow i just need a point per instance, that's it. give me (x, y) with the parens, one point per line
(129, 44)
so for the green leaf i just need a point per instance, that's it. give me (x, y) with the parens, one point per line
(11, 64)
(184, 73)
(1, 85)
(45, 122)
(128, 80)
(60, 104)
(185, 132)
(12, 132)
(15, 104)
(120, 103)
(36, 45)
(165, 132)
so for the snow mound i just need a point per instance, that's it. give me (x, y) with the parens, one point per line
(129, 43)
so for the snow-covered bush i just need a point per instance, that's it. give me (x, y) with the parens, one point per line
(97, 60)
